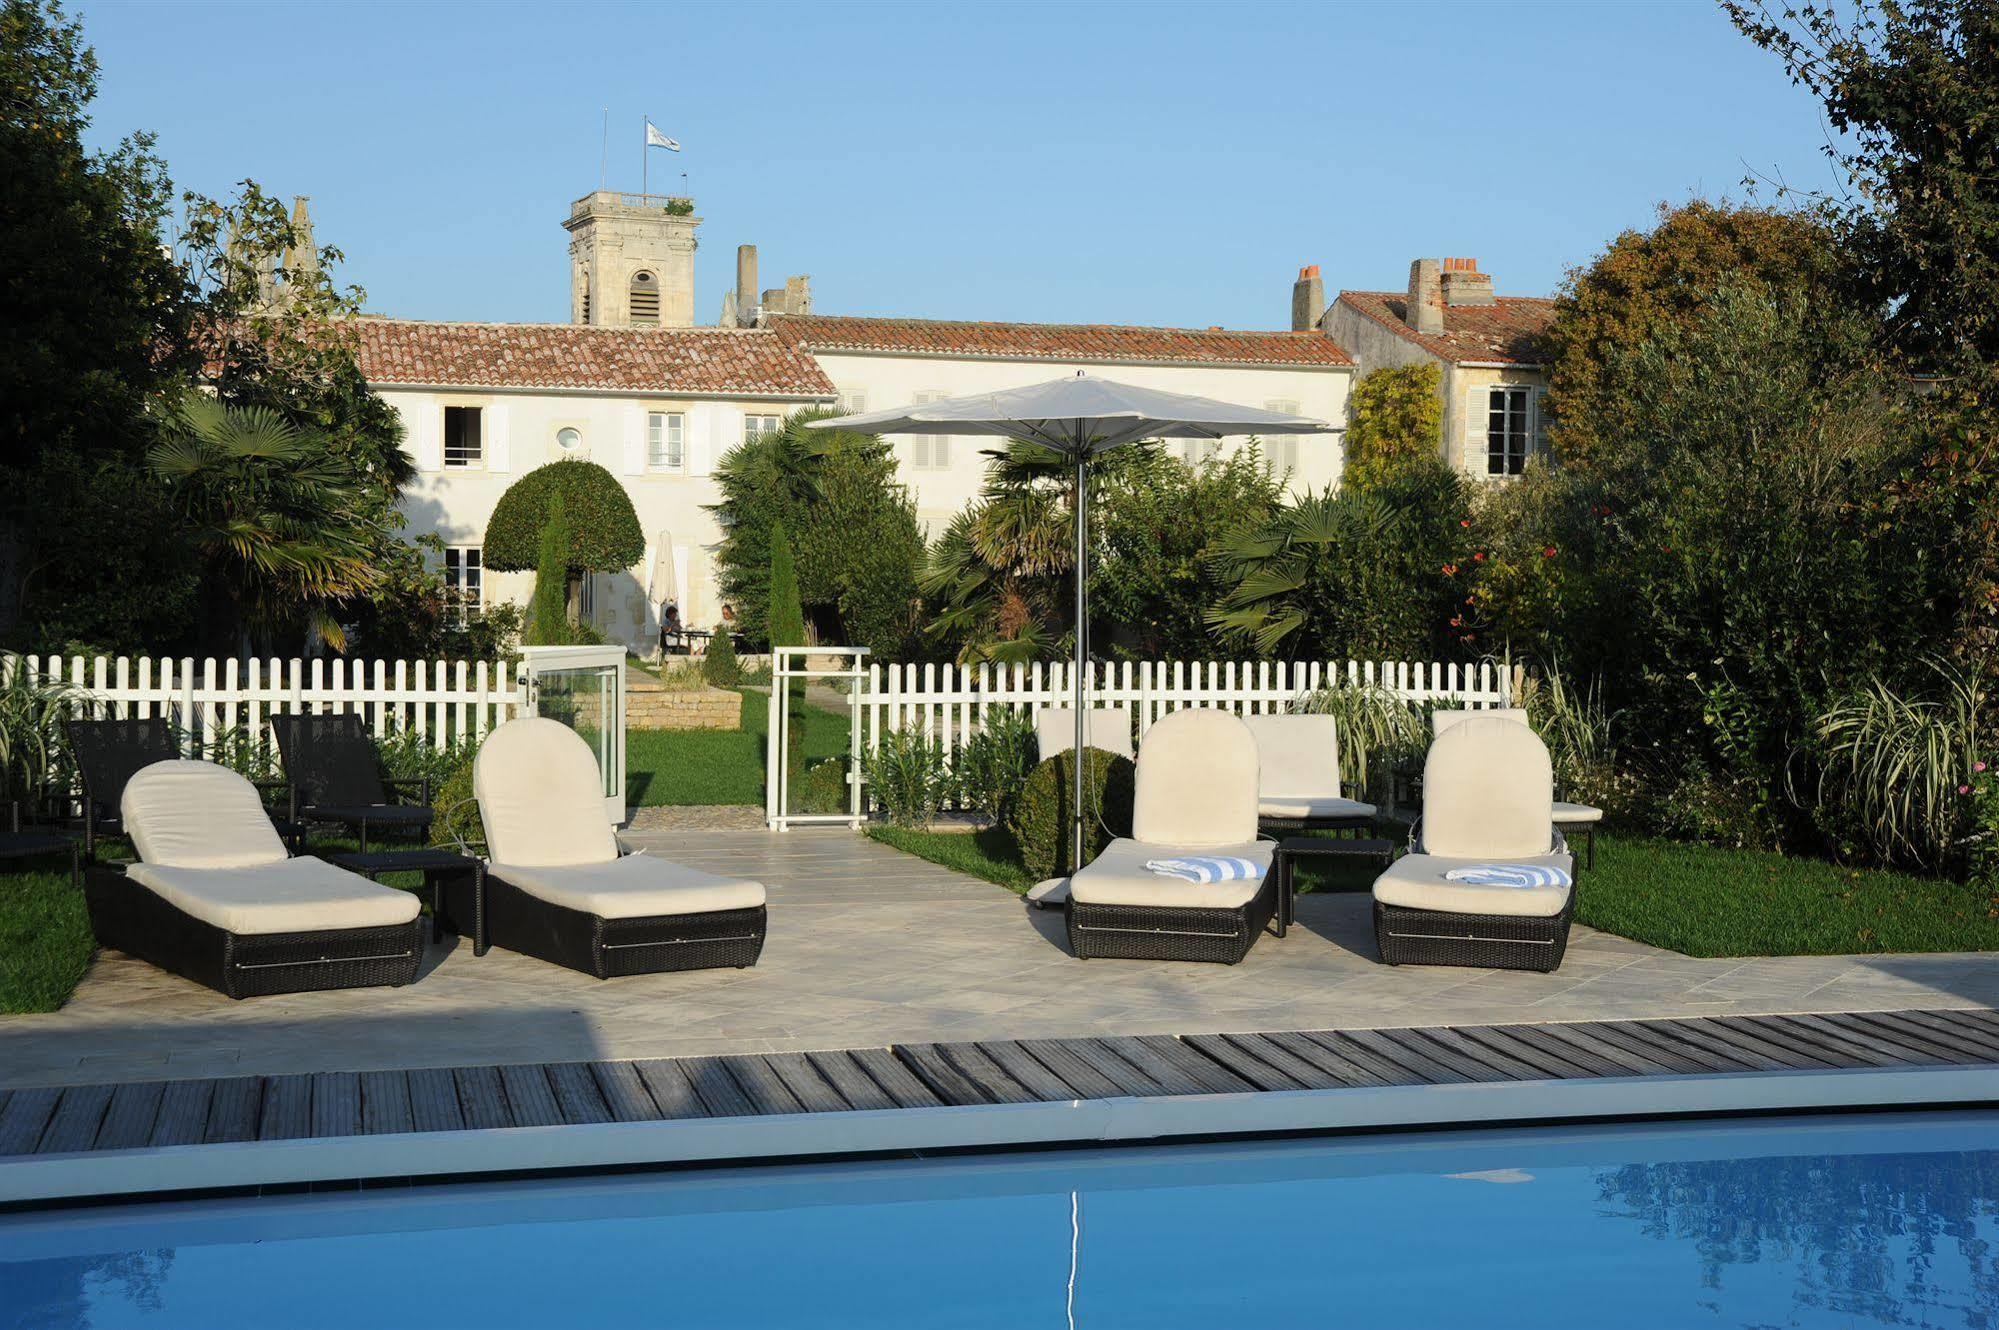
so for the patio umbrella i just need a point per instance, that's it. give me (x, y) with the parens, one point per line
(1078, 417)
(661, 587)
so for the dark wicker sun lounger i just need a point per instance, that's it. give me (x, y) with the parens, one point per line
(108, 753)
(215, 898)
(335, 778)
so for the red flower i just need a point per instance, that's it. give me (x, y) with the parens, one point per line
(1479, 557)
(1465, 522)
(1548, 553)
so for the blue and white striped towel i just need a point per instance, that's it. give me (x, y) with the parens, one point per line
(1511, 875)
(1212, 868)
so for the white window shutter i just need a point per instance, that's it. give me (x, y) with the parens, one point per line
(425, 426)
(635, 441)
(495, 437)
(941, 447)
(704, 444)
(1478, 425)
(1541, 421)
(919, 452)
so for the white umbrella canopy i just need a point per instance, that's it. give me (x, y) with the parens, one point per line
(1078, 417)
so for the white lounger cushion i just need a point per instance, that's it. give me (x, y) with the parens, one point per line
(1298, 768)
(541, 796)
(1196, 783)
(1108, 728)
(634, 887)
(1315, 807)
(291, 896)
(1118, 876)
(1444, 717)
(1575, 815)
(198, 815)
(1488, 792)
(1416, 882)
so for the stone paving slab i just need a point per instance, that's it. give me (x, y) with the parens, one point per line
(870, 947)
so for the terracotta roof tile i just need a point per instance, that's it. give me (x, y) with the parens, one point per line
(1108, 343)
(1510, 332)
(709, 361)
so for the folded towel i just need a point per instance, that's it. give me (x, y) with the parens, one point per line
(1511, 875)
(1218, 868)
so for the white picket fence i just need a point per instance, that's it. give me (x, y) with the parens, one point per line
(209, 699)
(949, 702)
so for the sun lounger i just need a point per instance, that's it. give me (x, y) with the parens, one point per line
(1569, 817)
(109, 753)
(558, 888)
(336, 778)
(1488, 799)
(1195, 797)
(1298, 776)
(215, 898)
(1108, 728)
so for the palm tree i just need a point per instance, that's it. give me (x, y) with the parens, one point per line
(283, 525)
(1301, 581)
(1001, 569)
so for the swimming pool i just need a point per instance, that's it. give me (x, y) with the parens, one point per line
(1824, 1221)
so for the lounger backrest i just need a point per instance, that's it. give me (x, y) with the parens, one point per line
(541, 796)
(1441, 719)
(198, 815)
(1296, 755)
(1196, 781)
(1488, 791)
(109, 753)
(1108, 728)
(331, 760)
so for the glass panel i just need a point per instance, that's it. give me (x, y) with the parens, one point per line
(584, 700)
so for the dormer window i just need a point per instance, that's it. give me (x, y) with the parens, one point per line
(645, 297)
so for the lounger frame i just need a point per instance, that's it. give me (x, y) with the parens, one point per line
(1482, 941)
(128, 916)
(518, 920)
(1171, 933)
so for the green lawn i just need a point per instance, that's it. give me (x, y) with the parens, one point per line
(1700, 900)
(718, 766)
(45, 940)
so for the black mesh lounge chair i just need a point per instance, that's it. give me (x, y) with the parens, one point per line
(215, 898)
(330, 762)
(108, 753)
(558, 887)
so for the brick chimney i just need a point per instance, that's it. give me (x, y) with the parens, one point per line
(1464, 284)
(1308, 299)
(1425, 312)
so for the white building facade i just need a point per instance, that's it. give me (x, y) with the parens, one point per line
(483, 404)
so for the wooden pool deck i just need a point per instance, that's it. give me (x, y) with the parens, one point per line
(136, 1136)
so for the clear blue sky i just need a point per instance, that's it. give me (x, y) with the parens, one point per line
(1127, 163)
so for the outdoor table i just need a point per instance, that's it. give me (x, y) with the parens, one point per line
(1293, 848)
(35, 844)
(1580, 817)
(436, 865)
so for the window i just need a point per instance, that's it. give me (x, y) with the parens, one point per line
(1509, 430)
(666, 440)
(1280, 455)
(1197, 451)
(462, 446)
(929, 452)
(463, 583)
(569, 439)
(586, 598)
(755, 427)
(645, 298)
(853, 403)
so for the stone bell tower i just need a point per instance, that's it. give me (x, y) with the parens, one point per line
(631, 260)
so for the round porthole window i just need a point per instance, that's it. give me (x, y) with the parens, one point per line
(569, 439)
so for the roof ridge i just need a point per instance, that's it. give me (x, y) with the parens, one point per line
(1026, 323)
(378, 319)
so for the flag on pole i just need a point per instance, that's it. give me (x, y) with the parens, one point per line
(655, 139)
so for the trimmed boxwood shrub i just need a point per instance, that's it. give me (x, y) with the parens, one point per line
(720, 666)
(604, 532)
(1040, 822)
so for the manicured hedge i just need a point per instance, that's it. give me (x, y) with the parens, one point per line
(605, 536)
(1041, 816)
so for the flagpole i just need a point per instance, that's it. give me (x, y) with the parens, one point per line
(645, 156)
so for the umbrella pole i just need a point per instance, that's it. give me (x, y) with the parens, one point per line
(1082, 653)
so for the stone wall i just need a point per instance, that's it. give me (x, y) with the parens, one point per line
(648, 706)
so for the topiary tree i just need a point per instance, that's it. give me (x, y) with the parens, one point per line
(604, 531)
(1398, 420)
(720, 666)
(787, 614)
(1040, 821)
(548, 612)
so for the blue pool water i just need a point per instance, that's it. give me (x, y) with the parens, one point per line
(1803, 1222)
